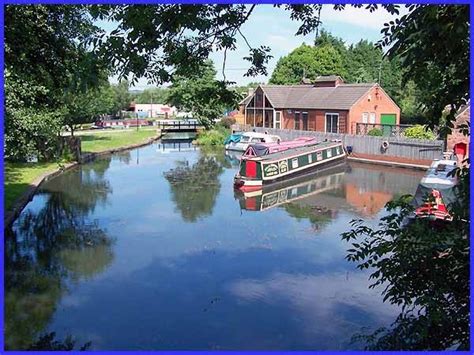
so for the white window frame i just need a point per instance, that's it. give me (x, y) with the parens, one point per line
(365, 117)
(297, 113)
(277, 121)
(372, 118)
(307, 121)
(294, 163)
(326, 121)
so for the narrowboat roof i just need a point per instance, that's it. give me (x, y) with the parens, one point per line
(257, 135)
(298, 151)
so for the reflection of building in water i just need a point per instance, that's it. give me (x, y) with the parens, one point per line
(368, 203)
(365, 188)
(369, 187)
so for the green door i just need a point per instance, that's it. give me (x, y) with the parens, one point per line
(387, 119)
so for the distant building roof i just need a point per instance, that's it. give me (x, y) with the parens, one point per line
(341, 97)
(328, 78)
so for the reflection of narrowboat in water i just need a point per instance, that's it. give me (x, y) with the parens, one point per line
(233, 157)
(257, 171)
(436, 191)
(286, 191)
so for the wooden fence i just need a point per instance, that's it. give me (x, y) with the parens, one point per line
(414, 149)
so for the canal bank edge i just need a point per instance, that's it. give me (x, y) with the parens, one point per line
(22, 201)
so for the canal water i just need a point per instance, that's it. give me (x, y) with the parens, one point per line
(152, 249)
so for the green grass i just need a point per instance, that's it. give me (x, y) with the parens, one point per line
(18, 176)
(104, 140)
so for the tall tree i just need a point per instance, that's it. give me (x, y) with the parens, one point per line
(122, 97)
(154, 95)
(202, 95)
(307, 62)
(45, 55)
(326, 38)
(432, 43)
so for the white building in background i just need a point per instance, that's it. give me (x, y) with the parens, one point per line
(154, 110)
(157, 111)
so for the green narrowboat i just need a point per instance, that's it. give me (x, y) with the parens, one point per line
(256, 171)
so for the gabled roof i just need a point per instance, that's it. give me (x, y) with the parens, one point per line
(463, 108)
(341, 97)
(246, 100)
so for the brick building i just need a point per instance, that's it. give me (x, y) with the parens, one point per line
(456, 137)
(326, 105)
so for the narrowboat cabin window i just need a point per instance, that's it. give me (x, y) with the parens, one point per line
(332, 122)
(294, 163)
(329, 153)
(310, 159)
(319, 156)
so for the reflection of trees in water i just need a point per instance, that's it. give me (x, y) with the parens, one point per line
(48, 247)
(195, 188)
(124, 156)
(319, 216)
(48, 342)
(422, 267)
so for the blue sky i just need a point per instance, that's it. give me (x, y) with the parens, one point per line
(273, 27)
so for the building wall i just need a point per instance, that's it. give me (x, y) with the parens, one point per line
(377, 101)
(158, 109)
(316, 119)
(400, 149)
(240, 116)
(456, 136)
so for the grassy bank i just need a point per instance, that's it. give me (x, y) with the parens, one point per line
(18, 176)
(105, 140)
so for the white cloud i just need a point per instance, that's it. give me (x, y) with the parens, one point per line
(317, 299)
(359, 16)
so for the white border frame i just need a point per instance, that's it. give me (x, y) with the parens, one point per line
(325, 121)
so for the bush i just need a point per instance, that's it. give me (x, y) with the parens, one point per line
(227, 122)
(212, 137)
(419, 132)
(31, 135)
(376, 132)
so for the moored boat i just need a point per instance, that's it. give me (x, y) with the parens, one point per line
(436, 191)
(241, 143)
(255, 171)
(260, 149)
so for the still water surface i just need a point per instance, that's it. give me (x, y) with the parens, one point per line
(152, 249)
